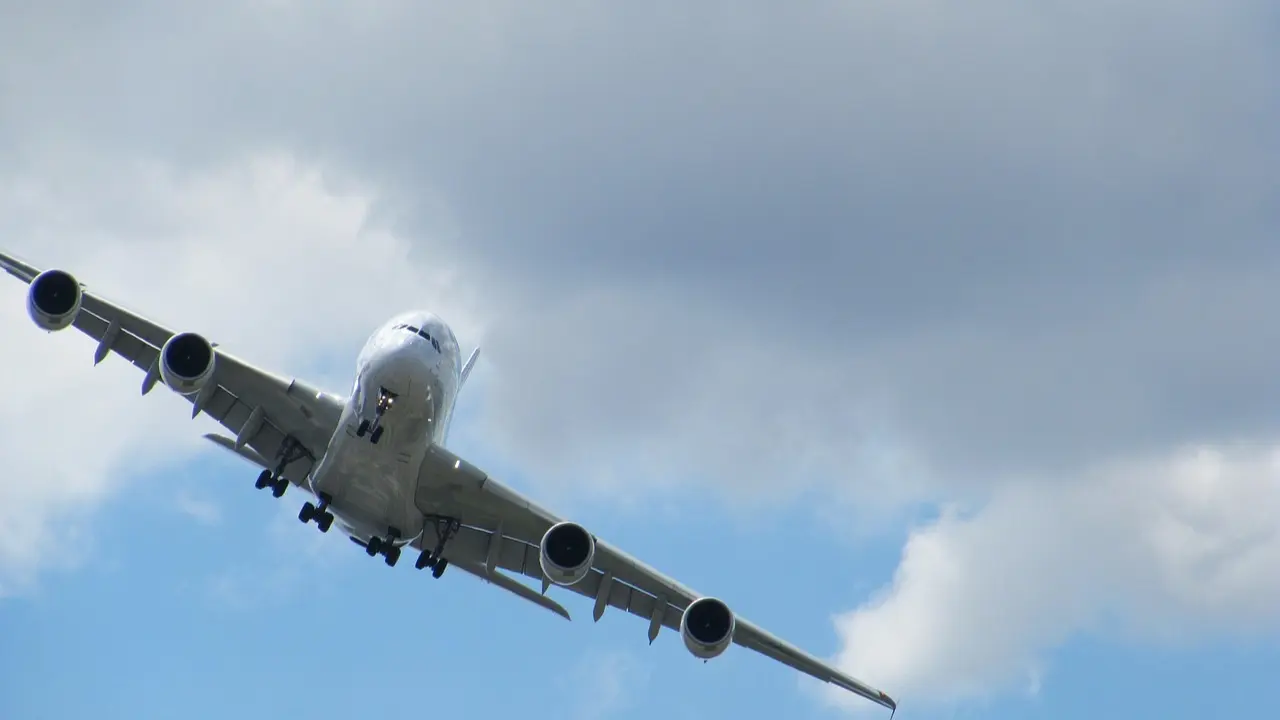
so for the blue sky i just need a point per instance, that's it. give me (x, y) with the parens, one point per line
(932, 336)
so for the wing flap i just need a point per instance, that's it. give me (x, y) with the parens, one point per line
(514, 587)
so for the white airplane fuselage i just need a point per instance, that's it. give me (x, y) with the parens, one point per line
(416, 358)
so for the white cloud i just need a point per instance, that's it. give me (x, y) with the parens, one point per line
(1167, 550)
(259, 253)
(205, 512)
(604, 684)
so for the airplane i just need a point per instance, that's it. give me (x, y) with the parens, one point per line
(375, 464)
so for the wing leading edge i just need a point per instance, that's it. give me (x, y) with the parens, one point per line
(503, 529)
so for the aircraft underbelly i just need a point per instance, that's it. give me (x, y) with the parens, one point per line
(373, 486)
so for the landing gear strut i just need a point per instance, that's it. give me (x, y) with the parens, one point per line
(291, 451)
(373, 428)
(385, 546)
(320, 513)
(446, 528)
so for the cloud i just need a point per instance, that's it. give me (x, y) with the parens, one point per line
(604, 684)
(961, 229)
(205, 512)
(1167, 550)
(288, 561)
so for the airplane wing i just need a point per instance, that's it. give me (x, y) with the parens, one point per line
(502, 530)
(233, 395)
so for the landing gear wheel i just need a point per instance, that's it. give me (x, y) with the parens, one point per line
(290, 451)
(363, 429)
(375, 545)
(376, 435)
(307, 513)
(325, 522)
(391, 556)
(424, 560)
(438, 569)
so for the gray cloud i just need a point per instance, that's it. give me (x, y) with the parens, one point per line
(992, 218)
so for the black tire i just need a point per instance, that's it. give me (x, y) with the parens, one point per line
(392, 556)
(281, 485)
(363, 429)
(307, 513)
(375, 544)
(376, 436)
(264, 480)
(439, 567)
(325, 522)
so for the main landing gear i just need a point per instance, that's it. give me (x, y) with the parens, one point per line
(385, 546)
(373, 429)
(290, 451)
(446, 528)
(320, 513)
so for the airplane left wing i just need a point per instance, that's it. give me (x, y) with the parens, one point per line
(500, 529)
(276, 417)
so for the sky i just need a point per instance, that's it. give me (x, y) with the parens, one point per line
(932, 337)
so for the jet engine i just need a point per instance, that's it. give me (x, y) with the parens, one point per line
(186, 363)
(567, 552)
(53, 300)
(707, 627)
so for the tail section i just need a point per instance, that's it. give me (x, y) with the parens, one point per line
(466, 367)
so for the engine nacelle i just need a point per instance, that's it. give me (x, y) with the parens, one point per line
(186, 363)
(53, 300)
(567, 552)
(707, 627)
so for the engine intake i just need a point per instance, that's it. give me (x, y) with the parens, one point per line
(186, 363)
(53, 300)
(707, 627)
(567, 552)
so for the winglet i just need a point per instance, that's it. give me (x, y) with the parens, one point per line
(470, 363)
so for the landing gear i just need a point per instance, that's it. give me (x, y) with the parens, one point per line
(291, 451)
(320, 513)
(269, 480)
(385, 546)
(373, 428)
(446, 528)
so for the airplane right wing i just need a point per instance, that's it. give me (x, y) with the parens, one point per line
(500, 529)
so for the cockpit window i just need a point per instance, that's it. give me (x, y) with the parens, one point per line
(420, 333)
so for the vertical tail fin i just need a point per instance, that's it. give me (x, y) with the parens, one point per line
(466, 367)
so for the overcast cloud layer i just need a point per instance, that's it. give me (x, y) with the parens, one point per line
(1014, 257)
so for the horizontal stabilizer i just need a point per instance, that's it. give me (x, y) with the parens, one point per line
(515, 587)
(244, 452)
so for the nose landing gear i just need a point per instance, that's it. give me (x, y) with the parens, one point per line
(373, 428)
